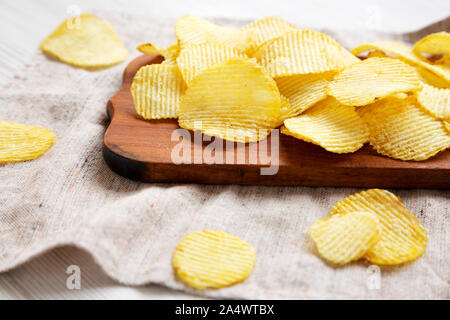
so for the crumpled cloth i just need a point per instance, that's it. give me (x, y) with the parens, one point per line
(70, 197)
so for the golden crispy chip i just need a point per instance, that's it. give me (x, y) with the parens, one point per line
(445, 60)
(431, 79)
(400, 129)
(213, 259)
(303, 91)
(304, 52)
(19, 142)
(157, 91)
(235, 100)
(170, 54)
(192, 30)
(264, 30)
(374, 78)
(435, 43)
(405, 53)
(435, 101)
(195, 58)
(85, 41)
(334, 127)
(447, 125)
(148, 48)
(377, 53)
(343, 238)
(402, 237)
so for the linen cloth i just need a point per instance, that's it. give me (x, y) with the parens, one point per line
(70, 196)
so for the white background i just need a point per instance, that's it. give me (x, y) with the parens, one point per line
(24, 23)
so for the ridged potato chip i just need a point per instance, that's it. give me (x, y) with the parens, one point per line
(445, 60)
(435, 101)
(447, 125)
(435, 43)
(195, 58)
(304, 52)
(343, 238)
(157, 90)
(431, 79)
(400, 129)
(148, 48)
(403, 239)
(334, 127)
(89, 43)
(371, 79)
(213, 259)
(170, 54)
(235, 100)
(303, 91)
(19, 142)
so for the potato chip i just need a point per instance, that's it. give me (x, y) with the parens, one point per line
(170, 54)
(286, 110)
(303, 91)
(377, 53)
(374, 78)
(400, 129)
(435, 101)
(334, 127)
(445, 60)
(213, 259)
(447, 125)
(19, 142)
(405, 53)
(403, 239)
(235, 100)
(304, 52)
(89, 43)
(148, 48)
(343, 238)
(157, 91)
(265, 29)
(195, 58)
(431, 79)
(435, 43)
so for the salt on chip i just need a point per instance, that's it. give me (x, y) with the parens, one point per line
(303, 91)
(235, 100)
(19, 142)
(331, 125)
(435, 43)
(436, 101)
(304, 52)
(343, 238)
(195, 58)
(403, 239)
(374, 78)
(89, 43)
(157, 90)
(400, 129)
(213, 259)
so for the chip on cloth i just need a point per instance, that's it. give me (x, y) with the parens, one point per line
(403, 238)
(157, 90)
(400, 129)
(304, 52)
(364, 82)
(235, 100)
(19, 142)
(213, 259)
(435, 101)
(343, 238)
(89, 43)
(331, 125)
(195, 58)
(435, 43)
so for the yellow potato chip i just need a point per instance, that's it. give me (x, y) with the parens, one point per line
(19, 142)
(213, 259)
(435, 101)
(444, 60)
(89, 43)
(157, 91)
(400, 129)
(405, 53)
(343, 238)
(334, 127)
(303, 91)
(148, 48)
(170, 54)
(304, 52)
(374, 78)
(447, 125)
(265, 29)
(435, 43)
(286, 110)
(195, 58)
(235, 100)
(403, 239)
(377, 53)
(431, 79)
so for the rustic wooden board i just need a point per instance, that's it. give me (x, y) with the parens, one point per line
(141, 150)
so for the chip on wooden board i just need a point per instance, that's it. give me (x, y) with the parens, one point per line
(86, 41)
(213, 259)
(403, 238)
(20, 142)
(343, 238)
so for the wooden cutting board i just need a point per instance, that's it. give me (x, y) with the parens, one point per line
(142, 150)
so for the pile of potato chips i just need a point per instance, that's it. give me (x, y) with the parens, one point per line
(239, 84)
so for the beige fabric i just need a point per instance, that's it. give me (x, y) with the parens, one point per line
(69, 196)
